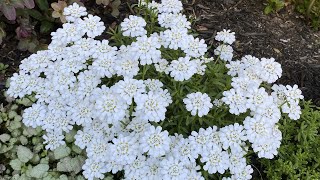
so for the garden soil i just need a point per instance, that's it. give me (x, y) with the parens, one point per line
(285, 35)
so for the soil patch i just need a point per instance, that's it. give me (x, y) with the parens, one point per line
(284, 36)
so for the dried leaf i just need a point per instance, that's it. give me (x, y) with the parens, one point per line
(115, 4)
(2, 34)
(55, 14)
(55, 6)
(104, 2)
(115, 12)
(201, 28)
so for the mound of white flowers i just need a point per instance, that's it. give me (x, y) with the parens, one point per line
(121, 121)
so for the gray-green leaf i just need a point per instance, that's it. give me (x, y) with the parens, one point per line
(39, 171)
(4, 137)
(71, 164)
(24, 154)
(16, 164)
(61, 152)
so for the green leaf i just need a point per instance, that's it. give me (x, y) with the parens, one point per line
(268, 9)
(46, 27)
(42, 4)
(39, 171)
(4, 137)
(29, 131)
(71, 164)
(70, 136)
(16, 164)
(24, 154)
(61, 152)
(14, 125)
(12, 114)
(35, 14)
(23, 140)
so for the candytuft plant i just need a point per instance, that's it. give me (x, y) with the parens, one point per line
(151, 103)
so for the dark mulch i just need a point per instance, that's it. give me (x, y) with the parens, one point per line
(284, 36)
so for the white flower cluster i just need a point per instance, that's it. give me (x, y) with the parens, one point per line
(117, 131)
(248, 75)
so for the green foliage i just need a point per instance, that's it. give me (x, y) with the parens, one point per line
(273, 6)
(309, 8)
(22, 153)
(299, 153)
(3, 67)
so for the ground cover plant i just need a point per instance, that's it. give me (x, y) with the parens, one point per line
(151, 103)
(33, 20)
(299, 152)
(309, 8)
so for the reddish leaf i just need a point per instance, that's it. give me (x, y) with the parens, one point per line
(17, 3)
(9, 12)
(29, 3)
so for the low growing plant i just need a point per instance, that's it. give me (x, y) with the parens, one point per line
(309, 8)
(23, 155)
(151, 104)
(8, 7)
(39, 18)
(299, 154)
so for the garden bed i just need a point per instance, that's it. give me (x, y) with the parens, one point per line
(284, 36)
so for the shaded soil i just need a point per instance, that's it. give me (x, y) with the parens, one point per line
(285, 36)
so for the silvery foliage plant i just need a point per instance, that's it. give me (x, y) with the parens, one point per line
(120, 122)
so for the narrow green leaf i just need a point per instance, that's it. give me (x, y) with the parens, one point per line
(42, 4)
(35, 14)
(46, 27)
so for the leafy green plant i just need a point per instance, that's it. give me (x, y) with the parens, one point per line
(309, 8)
(8, 7)
(22, 153)
(299, 154)
(3, 68)
(273, 6)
